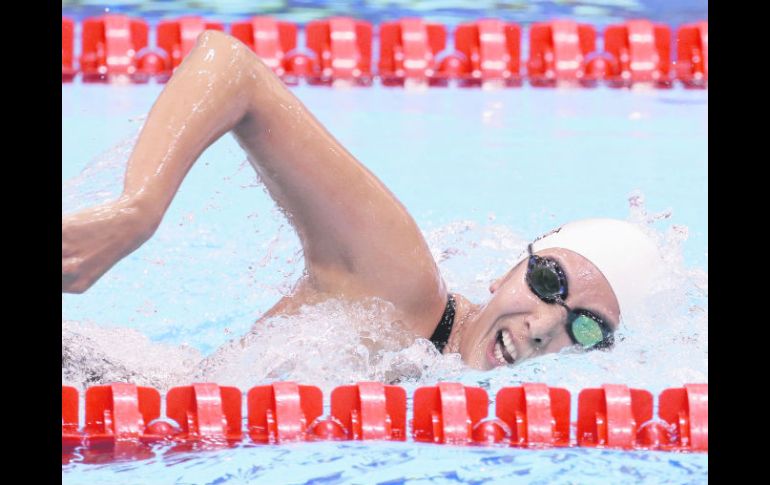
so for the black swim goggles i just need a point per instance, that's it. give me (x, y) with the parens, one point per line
(546, 279)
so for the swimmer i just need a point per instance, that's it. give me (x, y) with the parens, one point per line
(359, 241)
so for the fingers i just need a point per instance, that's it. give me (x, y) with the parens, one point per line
(95, 240)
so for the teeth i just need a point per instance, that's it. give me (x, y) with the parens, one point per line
(499, 354)
(509, 344)
(507, 339)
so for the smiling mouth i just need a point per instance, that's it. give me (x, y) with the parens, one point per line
(505, 352)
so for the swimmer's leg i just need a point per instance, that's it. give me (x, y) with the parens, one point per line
(358, 240)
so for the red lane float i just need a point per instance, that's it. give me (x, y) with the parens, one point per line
(343, 50)
(370, 411)
(408, 50)
(558, 52)
(110, 47)
(69, 410)
(448, 412)
(488, 50)
(686, 412)
(537, 415)
(610, 416)
(640, 52)
(205, 412)
(119, 411)
(71, 437)
(114, 48)
(122, 419)
(272, 40)
(692, 53)
(177, 38)
(115, 422)
(282, 412)
(67, 49)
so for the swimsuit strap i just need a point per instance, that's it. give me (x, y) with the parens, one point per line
(440, 336)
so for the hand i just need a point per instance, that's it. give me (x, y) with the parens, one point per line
(93, 240)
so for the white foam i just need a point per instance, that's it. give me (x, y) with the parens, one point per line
(327, 344)
(336, 343)
(93, 354)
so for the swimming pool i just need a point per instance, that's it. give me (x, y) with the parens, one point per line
(246, 255)
(606, 147)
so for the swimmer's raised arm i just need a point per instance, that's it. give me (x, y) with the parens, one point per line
(358, 239)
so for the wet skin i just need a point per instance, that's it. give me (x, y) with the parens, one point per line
(358, 240)
(530, 326)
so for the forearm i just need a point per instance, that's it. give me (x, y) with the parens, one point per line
(207, 97)
(356, 237)
(203, 100)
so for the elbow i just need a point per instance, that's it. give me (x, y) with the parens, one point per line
(229, 54)
(218, 40)
(218, 46)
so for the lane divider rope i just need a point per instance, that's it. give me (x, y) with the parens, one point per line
(114, 48)
(122, 420)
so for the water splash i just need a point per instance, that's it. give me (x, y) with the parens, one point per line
(328, 344)
(335, 342)
(102, 178)
(93, 354)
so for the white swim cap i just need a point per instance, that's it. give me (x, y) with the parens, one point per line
(625, 255)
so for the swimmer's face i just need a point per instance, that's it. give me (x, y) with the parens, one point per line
(527, 325)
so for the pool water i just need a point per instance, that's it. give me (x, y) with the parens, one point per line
(397, 463)
(483, 172)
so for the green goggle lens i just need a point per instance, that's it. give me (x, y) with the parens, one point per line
(587, 331)
(547, 280)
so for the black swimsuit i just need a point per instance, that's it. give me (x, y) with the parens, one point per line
(441, 334)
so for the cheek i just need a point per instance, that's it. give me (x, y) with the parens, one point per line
(559, 341)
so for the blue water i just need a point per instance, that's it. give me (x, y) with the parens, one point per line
(528, 158)
(482, 172)
(394, 463)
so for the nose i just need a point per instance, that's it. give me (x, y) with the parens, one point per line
(544, 324)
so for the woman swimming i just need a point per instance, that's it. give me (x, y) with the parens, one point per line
(359, 242)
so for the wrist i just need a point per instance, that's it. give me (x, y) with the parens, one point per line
(143, 215)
